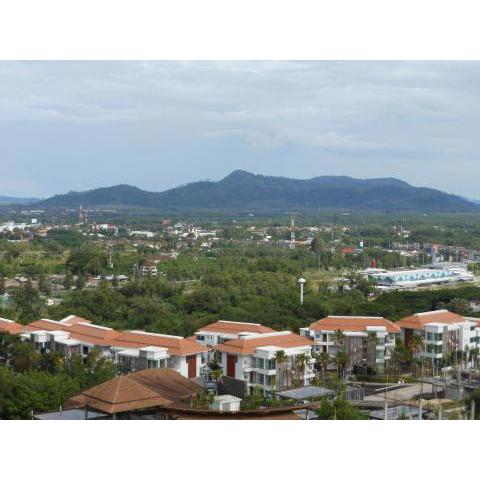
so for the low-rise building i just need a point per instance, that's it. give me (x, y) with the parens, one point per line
(366, 341)
(224, 330)
(442, 332)
(271, 361)
(133, 350)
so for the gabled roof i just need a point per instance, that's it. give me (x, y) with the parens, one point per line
(95, 334)
(419, 320)
(176, 345)
(11, 327)
(225, 326)
(138, 390)
(73, 319)
(46, 324)
(248, 345)
(353, 324)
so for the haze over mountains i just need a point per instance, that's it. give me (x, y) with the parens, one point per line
(242, 191)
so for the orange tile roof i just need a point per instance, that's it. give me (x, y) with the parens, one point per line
(247, 345)
(46, 324)
(11, 327)
(138, 390)
(224, 326)
(178, 346)
(418, 320)
(73, 319)
(103, 336)
(353, 324)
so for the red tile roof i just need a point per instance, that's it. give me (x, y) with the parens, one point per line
(248, 345)
(353, 324)
(418, 320)
(11, 327)
(225, 326)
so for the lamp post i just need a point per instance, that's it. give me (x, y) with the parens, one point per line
(301, 281)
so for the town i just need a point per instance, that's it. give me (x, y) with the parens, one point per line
(293, 317)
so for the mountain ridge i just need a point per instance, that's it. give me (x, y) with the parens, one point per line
(242, 191)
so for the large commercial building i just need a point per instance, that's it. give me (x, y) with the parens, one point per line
(417, 277)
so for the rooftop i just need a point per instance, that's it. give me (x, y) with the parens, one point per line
(353, 323)
(418, 321)
(248, 345)
(226, 326)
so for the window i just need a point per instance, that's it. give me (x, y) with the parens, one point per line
(201, 338)
(260, 363)
(152, 363)
(270, 364)
(325, 337)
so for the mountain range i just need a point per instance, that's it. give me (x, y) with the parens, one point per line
(17, 200)
(242, 191)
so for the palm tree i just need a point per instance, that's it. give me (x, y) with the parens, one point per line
(280, 362)
(301, 361)
(324, 359)
(416, 344)
(339, 340)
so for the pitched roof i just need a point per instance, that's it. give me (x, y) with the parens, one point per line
(105, 336)
(176, 345)
(73, 319)
(353, 324)
(11, 327)
(225, 326)
(248, 345)
(137, 390)
(418, 320)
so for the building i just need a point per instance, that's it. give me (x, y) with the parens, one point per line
(367, 341)
(132, 350)
(443, 333)
(253, 359)
(417, 277)
(224, 330)
(138, 391)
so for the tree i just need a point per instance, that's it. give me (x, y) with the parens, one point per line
(301, 362)
(80, 283)
(338, 408)
(2, 285)
(68, 282)
(28, 304)
(324, 359)
(280, 362)
(44, 285)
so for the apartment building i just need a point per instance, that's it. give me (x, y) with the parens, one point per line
(255, 359)
(133, 350)
(224, 330)
(443, 332)
(367, 341)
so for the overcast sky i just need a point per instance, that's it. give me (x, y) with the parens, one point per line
(81, 125)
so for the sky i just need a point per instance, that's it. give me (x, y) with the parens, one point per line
(79, 125)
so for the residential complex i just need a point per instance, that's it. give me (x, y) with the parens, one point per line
(366, 341)
(224, 330)
(256, 360)
(132, 350)
(442, 332)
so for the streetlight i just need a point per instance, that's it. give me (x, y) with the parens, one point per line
(301, 281)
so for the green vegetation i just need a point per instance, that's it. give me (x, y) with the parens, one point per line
(42, 382)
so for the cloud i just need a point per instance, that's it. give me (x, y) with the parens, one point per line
(399, 112)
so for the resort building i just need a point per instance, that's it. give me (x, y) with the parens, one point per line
(133, 350)
(442, 332)
(366, 341)
(224, 330)
(271, 361)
